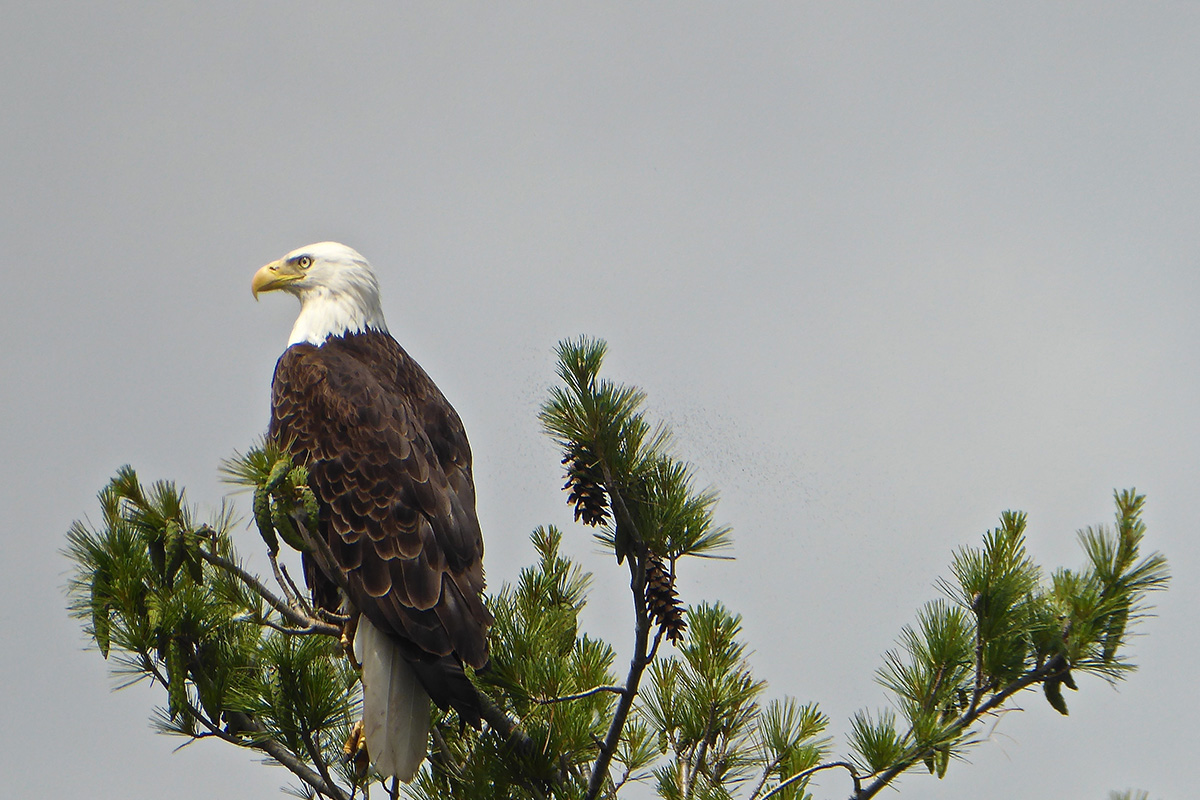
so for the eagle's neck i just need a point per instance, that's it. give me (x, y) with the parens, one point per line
(324, 313)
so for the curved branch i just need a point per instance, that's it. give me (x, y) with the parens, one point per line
(799, 776)
(595, 690)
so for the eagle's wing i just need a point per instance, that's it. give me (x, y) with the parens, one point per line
(389, 463)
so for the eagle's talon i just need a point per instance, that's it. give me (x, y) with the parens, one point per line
(355, 751)
(348, 631)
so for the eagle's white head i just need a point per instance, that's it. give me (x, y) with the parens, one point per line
(337, 289)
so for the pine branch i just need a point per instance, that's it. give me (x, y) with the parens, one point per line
(766, 773)
(305, 606)
(694, 764)
(978, 690)
(284, 756)
(314, 753)
(637, 664)
(703, 702)
(624, 780)
(243, 722)
(958, 727)
(658, 637)
(494, 716)
(288, 631)
(799, 776)
(441, 753)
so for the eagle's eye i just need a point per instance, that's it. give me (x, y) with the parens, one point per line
(304, 262)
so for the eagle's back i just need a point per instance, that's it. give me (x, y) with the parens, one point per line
(390, 465)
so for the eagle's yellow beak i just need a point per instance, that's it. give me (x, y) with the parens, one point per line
(275, 275)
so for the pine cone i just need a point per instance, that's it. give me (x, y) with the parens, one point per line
(662, 600)
(586, 484)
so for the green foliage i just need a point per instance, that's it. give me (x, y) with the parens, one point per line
(1129, 794)
(168, 599)
(130, 586)
(1008, 630)
(704, 705)
(299, 687)
(932, 680)
(282, 498)
(790, 743)
(232, 668)
(615, 455)
(538, 656)
(995, 584)
(875, 741)
(673, 518)
(601, 415)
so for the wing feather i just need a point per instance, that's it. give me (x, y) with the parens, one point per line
(390, 465)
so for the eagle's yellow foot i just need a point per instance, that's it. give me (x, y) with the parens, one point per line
(348, 631)
(355, 751)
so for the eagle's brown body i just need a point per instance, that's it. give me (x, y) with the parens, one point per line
(389, 463)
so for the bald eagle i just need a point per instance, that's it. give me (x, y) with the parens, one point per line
(390, 466)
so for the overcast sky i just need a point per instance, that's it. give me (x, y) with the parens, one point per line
(887, 269)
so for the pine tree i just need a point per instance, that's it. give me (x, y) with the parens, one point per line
(261, 667)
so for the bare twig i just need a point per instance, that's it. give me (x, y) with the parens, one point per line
(799, 776)
(766, 774)
(293, 597)
(319, 549)
(304, 604)
(323, 630)
(595, 690)
(658, 637)
(286, 611)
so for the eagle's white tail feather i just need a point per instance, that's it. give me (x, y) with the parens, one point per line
(395, 705)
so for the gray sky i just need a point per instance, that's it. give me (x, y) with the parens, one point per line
(889, 270)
